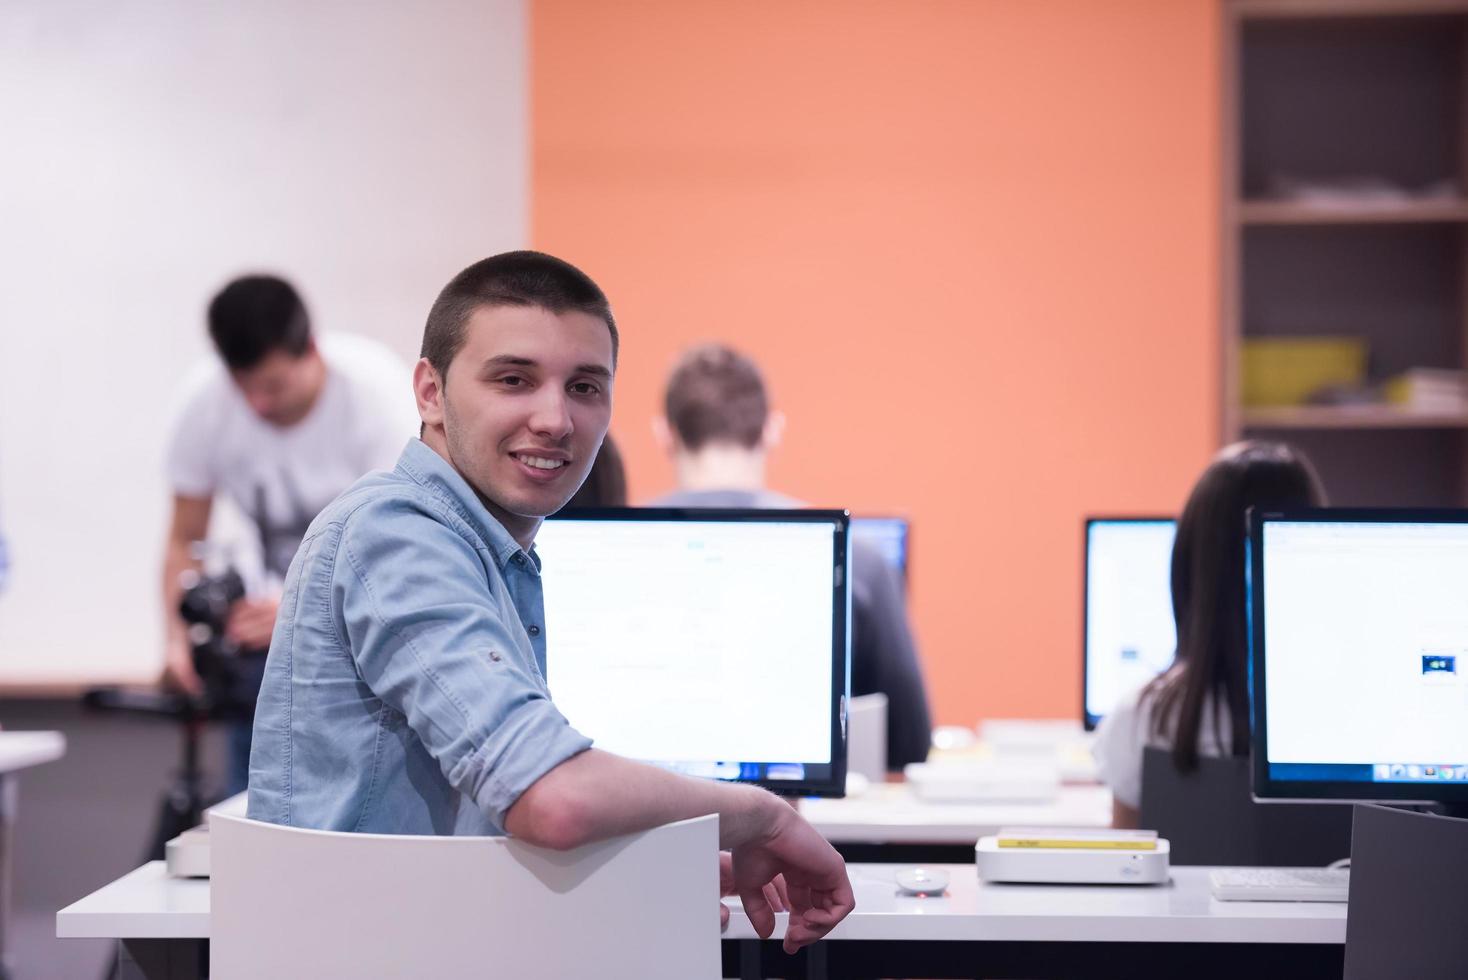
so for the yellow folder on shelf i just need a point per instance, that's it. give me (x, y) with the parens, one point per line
(1287, 370)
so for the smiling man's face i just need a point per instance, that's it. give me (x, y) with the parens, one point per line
(522, 409)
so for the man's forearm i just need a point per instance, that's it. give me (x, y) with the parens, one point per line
(596, 795)
(189, 523)
(176, 561)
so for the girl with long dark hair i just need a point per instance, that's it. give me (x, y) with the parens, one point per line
(1200, 705)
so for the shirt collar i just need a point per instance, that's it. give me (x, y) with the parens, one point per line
(436, 475)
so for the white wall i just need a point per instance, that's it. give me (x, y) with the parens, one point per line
(153, 150)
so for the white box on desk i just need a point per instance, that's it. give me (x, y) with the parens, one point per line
(1071, 865)
(188, 854)
(982, 782)
(1034, 735)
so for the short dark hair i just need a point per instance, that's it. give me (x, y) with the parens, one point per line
(254, 316)
(522, 278)
(716, 395)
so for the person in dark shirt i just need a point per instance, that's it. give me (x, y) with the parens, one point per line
(718, 429)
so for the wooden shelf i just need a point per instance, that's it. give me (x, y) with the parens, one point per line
(1402, 213)
(1334, 89)
(1350, 417)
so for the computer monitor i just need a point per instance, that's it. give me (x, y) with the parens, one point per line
(1359, 650)
(1129, 633)
(710, 642)
(892, 536)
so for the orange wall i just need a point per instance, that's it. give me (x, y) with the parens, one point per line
(974, 245)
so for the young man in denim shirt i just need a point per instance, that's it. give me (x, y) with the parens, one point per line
(405, 692)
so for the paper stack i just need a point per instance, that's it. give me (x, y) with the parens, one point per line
(1429, 390)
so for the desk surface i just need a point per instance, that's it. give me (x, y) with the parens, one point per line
(1183, 911)
(19, 750)
(890, 813)
(147, 904)
(143, 904)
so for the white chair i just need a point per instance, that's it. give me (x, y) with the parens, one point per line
(306, 903)
(866, 736)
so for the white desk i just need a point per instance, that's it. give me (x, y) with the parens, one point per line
(142, 904)
(18, 750)
(889, 813)
(1030, 930)
(972, 911)
(1059, 931)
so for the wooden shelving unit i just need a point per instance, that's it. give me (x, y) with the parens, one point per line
(1345, 90)
(1406, 213)
(1350, 417)
(1280, 9)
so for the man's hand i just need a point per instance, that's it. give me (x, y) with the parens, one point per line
(775, 892)
(178, 668)
(189, 523)
(595, 795)
(817, 891)
(251, 622)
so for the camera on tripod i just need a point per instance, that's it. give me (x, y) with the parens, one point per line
(231, 674)
(231, 678)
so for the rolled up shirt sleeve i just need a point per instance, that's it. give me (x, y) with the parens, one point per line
(436, 639)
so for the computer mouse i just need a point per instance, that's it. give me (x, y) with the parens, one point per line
(922, 881)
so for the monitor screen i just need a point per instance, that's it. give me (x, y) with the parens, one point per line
(1359, 649)
(889, 535)
(710, 642)
(1130, 636)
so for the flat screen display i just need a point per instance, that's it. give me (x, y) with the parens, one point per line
(1130, 634)
(1359, 652)
(710, 642)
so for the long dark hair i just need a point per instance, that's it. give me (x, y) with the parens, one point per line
(1208, 601)
(606, 484)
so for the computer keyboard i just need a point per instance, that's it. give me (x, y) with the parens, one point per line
(1280, 884)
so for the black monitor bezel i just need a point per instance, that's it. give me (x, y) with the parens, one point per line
(1265, 787)
(1089, 721)
(834, 784)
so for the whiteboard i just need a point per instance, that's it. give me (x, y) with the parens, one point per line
(154, 150)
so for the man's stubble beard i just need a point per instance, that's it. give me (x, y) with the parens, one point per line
(460, 454)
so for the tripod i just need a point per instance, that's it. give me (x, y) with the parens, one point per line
(184, 800)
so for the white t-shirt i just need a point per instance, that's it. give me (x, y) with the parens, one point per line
(280, 478)
(1126, 731)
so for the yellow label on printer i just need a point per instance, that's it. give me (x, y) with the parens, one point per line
(1099, 843)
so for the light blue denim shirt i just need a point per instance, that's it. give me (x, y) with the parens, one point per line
(405, 688)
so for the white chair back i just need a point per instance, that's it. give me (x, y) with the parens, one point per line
(307, 903)
(866, 736)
